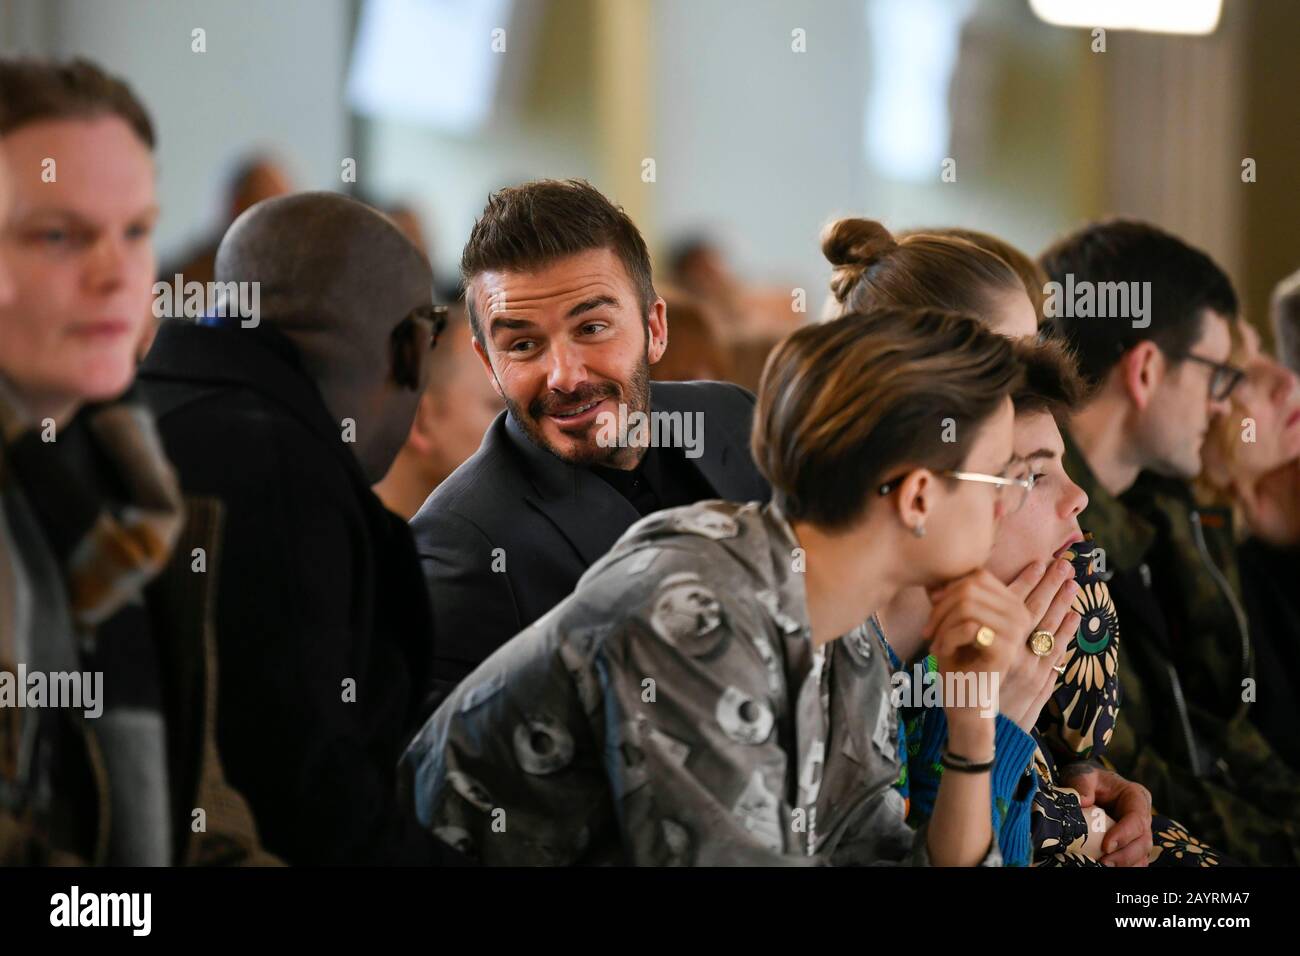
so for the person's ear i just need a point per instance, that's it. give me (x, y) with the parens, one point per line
(657, 330)
(487, 366)
(423, 437)
(915, 499)
(1142, 369)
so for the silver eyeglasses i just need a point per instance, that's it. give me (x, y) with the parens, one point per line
(1012, 489)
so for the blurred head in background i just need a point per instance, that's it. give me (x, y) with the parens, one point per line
(698, 266)
(695, 352)
(79, 151)
(1158, 371)
(256, 178)
(456, 409)
(565, 317)
(1249, 448)
(872, 270)
(1286, 321)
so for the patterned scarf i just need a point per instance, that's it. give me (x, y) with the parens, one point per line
(108, 545)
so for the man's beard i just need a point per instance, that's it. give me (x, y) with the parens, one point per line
(589, 453)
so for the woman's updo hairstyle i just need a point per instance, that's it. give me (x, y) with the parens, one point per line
(873, 270)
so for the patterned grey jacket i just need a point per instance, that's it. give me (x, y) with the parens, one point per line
(672, 711)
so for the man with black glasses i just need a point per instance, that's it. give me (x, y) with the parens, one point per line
(1186, 668)
(324, 634)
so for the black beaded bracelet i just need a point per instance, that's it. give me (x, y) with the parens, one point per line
(952, 761)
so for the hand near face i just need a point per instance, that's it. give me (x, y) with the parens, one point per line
(960, 609)
(1030, 680)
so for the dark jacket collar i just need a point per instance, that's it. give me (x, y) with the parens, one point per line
(590, 513)
(261, 359)
(1125, 537)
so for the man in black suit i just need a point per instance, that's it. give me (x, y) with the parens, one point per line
(288, 416)
(567, 323)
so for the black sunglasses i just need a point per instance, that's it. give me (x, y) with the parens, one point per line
(1223, 379)
(405, 343)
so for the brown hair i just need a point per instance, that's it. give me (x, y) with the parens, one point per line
(872, 270)
(530, 226)
(1051, 384)
(39, 89)
(693, 342)
(1031, 275)
(844, 402)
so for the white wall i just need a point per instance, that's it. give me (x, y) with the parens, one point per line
(765, 144)
(272, 78)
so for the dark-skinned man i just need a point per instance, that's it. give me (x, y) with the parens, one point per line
(288, 416)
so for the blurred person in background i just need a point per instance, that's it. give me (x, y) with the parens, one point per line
(695, 352)
(1252, 465)
(1158, 376)
(1286, 321)
(256, 177)
(93, 507)
(454, 413)
(750, 320)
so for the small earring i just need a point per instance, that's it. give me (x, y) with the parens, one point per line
(919, 531)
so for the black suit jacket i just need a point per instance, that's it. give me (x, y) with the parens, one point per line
(516, 506)
(317, 585)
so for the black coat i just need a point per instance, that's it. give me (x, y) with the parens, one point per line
(318, 586)
(1269, 576)
(550, 520)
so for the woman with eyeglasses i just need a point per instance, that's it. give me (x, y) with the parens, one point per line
(692, 702)
(1060, 696)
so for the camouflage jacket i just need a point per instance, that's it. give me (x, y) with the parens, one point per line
(672, 710)
(1183, 731)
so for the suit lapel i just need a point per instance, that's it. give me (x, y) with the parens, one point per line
(712, 463)
(585, 510)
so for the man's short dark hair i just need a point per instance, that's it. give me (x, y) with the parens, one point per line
(34, 90)
(1184, 283)
(528, 227)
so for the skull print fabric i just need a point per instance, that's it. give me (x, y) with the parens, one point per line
(672, 711)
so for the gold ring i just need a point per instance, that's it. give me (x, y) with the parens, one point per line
(984, 636)
(1041, 643)
(1059, 668)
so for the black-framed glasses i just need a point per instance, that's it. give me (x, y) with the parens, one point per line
(1223, 379)
(405, 342)
(1011, 489)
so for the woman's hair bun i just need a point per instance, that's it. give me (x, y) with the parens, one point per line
(852, 246)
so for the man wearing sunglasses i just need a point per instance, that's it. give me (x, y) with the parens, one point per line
(324, 634)
(1186, 662)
